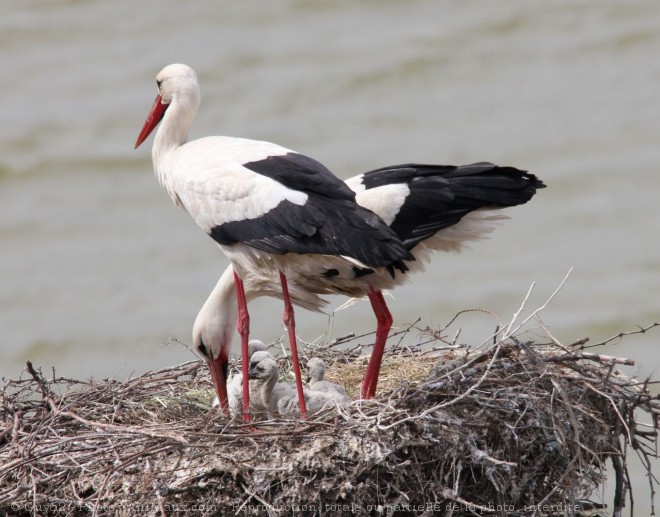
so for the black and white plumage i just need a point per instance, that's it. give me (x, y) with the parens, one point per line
(267, 207)
(431, 208)
(434, 197)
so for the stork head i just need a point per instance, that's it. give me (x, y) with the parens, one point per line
(212, 341)
(263, 366)
(315, 369)
(214, 330)
(176, 83)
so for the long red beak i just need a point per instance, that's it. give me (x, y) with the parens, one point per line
(218, 367)
(154, 117)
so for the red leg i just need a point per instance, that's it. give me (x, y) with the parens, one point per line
(384, 319)
(243, 326)
(290, 323)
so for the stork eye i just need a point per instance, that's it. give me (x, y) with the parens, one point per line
(203, 350)
(158, 83)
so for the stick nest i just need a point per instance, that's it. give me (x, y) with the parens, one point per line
(512, 428)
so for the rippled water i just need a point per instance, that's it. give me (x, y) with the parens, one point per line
(98, 268)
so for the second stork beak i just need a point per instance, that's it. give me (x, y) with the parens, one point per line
(219, 367)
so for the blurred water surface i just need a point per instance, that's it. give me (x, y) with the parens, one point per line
(98, 268)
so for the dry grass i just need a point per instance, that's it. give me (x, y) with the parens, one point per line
(506, 429)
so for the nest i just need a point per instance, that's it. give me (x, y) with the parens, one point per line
(512, 428)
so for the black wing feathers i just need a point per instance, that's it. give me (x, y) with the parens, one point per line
(320, 226)
(440, 195)
(330, 222)
(300, 172)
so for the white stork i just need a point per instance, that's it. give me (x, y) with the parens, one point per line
(430, 207)
(269, 208)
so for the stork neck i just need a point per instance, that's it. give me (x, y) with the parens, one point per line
(267, 387)
(223, 298)
(172, 132)
(217, 318)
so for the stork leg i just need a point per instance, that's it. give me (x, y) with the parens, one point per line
(384, 324)
(290, 322)
(243, 327)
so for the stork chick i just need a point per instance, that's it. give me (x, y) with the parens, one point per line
(317, 382)
(268, 396)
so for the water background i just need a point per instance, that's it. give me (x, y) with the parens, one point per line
(98, 268)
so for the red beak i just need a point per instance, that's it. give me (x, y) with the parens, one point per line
(218, 367)
(154, 117)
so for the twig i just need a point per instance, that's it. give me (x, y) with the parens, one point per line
(270, 508)
(15, 432)
(509, 330)
(620, 335)
(161, 503)
(601, 358)
(474, 386)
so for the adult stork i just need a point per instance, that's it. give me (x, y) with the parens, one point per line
(430, 207)
(268, 208)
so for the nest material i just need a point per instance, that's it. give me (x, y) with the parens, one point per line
(512, 429)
